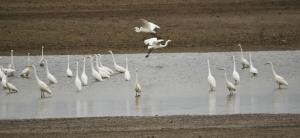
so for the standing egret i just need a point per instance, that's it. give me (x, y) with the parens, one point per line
(44, 88)
(117, 67)
(137, 86)
(11, 65)
(252, 69)
(211, 79)
(229, 85)
(77, 80)
(235, 74)
(8, 71)
(84, 77)
(278, 79)
(69, 71)
(42, 58)
(101, 71)
(244, 61)
(95, 74)
(25, 72)
(104, 67)
(50, 77)
(147, 27)
(7, 85)
(3, 79)
(127, 74)
(156, 45)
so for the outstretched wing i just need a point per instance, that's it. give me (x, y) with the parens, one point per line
(150, 41)
(148, 25)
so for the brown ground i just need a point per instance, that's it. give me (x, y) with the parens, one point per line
(90, 26)
(258, 125)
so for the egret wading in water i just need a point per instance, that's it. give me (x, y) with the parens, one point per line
(156, 45)
(102, 72)
(117, 67)
(42, 58)
(229, 85)
(235, 74)
(25, 72)
(7, 85)
(211, 79)
(44, 88)
(95, 73)
(50, 77)
(147, 27)
(77, 80)
(137, 86)
(84, 78)
(104, 67)
(278, 79)
(11, 65)
(252, 69)
(69, 71)
(244, 61)
(127, 74)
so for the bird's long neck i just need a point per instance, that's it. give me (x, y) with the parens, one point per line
(113, 58)
(234, 67)
(77, 69)
(165, 43)
(12, 57)
(35, 74)
(100, 61)
(208, 66)
(97, 61)
(83, 70)
(250, 58)
(92, 65)
(68, 61)
(46, 64)
(43, 52)
(126, 62)
(28, 59)
(242, 54)
(225, 74)
(273, 70)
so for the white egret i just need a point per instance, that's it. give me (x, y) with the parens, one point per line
(77, 80)
(42, 58)
(50, 77)
(137, 86)
(156, 45)
(278, 79)
(153, 40)
(127, 74)
(1, 72)
(69, 71)
(211, 79)
(147, 27)
(229, 85)
(244, 61)
(95, 74)
(84, 77)
(235, 74)
(44, 88)
(25, 72)
(8, 71)
(117, 67)
(11, 65)
(7, 85)
(110, 71)
(252, 69)
(101, 71)
(3, 79)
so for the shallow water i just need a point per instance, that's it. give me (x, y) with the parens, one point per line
(173, 84)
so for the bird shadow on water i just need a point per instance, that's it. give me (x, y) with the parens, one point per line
(232, 103)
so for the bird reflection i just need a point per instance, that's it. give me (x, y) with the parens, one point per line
(137, 104)
(278, 102)
(212, 103)
(233, 104)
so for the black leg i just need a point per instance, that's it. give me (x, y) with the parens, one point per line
(148, 54)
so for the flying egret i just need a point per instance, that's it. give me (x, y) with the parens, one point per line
(252, 69)
(95, 74)
(244, 61)
(137, 86)
(235, 74)
(69, 71)
(278, 79)
(77, 80)
(44, 88)
(50, 77)
(104, 67)
(117, 67)
(156, 45)
(151, 41)
(211, 79)
(25, 72)
(127, 74)
(147, 27)
(42, 58)
(102, 72)
(11, 65)
(84, 77)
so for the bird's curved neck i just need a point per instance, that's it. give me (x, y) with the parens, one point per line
(234, 67)
(76, 69)
(242, 54)
(113, 58)
(12, 58)
(35, 74)
(208, 66)
(165, 43)
(28, 59)
(42, 51)
(273, 70)
(100, 61)
(68, 61)
(97, 61)
(126, 63)
(46, 64)
(83, 70)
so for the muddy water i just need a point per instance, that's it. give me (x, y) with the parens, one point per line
(173, 84)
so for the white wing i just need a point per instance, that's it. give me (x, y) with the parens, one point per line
(44, 87)
(149, 25)
(51, 78)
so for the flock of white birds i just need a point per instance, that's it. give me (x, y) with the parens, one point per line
(101, 72)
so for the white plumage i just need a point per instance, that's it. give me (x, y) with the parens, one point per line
(110, 71)
(11, 65)
(77, 80)
(42, 58)
(151, 41)
(84, 78)
(50, 77)
(117, 67)
(229, 85)
(137, 86)
(156, 45)
(69, 71)
(25, 72)
(278, 79)
(95, 73)
(101, 71)
(244, 61)
(252, 69)
(211, 79)
(127, 74)
(44, 88)
(235, 74)
(147, 27)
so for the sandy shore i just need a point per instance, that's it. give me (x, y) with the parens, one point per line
(83, 27)
(247, 125)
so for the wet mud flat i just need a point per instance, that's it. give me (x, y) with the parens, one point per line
(82, 27)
